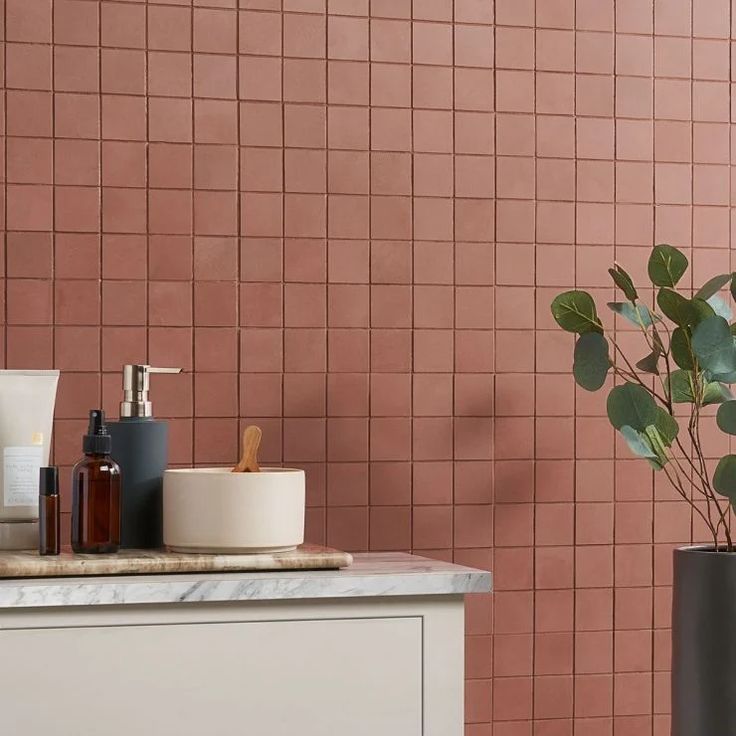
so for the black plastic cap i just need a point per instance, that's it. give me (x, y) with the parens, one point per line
(48, 481)
(97, 441)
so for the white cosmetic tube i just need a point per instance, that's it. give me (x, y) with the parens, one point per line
(27, 401)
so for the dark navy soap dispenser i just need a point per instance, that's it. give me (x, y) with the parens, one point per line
(140, 446)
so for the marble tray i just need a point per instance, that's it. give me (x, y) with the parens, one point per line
(136, 562)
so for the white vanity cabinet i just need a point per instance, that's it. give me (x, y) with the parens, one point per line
(375, 649)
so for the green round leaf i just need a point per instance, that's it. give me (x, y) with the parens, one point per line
(624, 282)
(713, 346)
(713, 286)
(631, 405)
(658, 445)
(666, 425)
(701, 310)
(726, 417)
(681, 388)
(676, 307)
(716, 393)
(681, 349)
(637, 314)
(640, 444)
(724, 479)
(575, 311)
(591, 361)
(666, 265)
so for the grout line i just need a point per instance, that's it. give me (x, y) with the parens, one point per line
(326, 196)
(654, 237)
(369, 373)
(100, 198)
(192, 228)
(240, 285)
(494, 164)
(147, 164)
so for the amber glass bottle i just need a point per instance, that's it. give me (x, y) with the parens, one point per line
(96, 492)
(49, 540)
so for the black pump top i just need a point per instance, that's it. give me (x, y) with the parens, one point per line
(97, 441)
(48, 481)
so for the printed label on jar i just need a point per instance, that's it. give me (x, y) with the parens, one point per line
(20, 475)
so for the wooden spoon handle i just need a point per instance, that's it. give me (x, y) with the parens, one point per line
(248, 462)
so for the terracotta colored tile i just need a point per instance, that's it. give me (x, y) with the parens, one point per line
(216, 349)
(390, 129)
(75, 23)
(672, 18)
(123, 25)
(260, 33)
(28, 66)
(348, 527)
(29, 207)
(29, 113)
(123, 303)
(215, 441)
(169, 73)
(170, 28)
(76, 302)
(124, 117)
(29, 161)
(348, 351)
(347, 395)
(169, 303)
(215, 76)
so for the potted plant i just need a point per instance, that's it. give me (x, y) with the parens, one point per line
(657, 405)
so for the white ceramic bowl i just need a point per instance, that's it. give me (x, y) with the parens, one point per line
(218, 511)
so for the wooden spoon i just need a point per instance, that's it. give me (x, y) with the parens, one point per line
(248, 462)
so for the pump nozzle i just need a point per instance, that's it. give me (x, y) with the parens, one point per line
(97, 441)
(136, 384)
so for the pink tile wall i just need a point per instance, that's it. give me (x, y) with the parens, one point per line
(345, 221)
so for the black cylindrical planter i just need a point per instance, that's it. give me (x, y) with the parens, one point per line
(704, 642)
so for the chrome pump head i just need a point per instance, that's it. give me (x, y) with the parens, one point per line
(136, 384)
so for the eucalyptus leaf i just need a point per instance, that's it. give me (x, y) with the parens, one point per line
(624, 282)
(659, 447)
(701, 310)
(713, 286)
(732, 285)
(638, 443)
(720, 306)
(728, 378)
(631, 405)
(676, 307)
(666, 425)
(666, 265)
(681, 349)
(726, 417)
(716, 393)
(681, 387)
(637, 314)
(650, 363)
(575, 311)
(591, 364)
(724, 479)
(714, 347)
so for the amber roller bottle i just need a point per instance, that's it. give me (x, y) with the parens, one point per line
(49, 512)
(96, 492)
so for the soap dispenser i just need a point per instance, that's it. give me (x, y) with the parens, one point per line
(140, 447)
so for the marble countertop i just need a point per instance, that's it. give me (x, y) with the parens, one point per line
(373, 574)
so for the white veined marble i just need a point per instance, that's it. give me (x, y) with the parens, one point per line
(370, 575)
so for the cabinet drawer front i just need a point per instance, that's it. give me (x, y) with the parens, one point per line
(361, 677)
